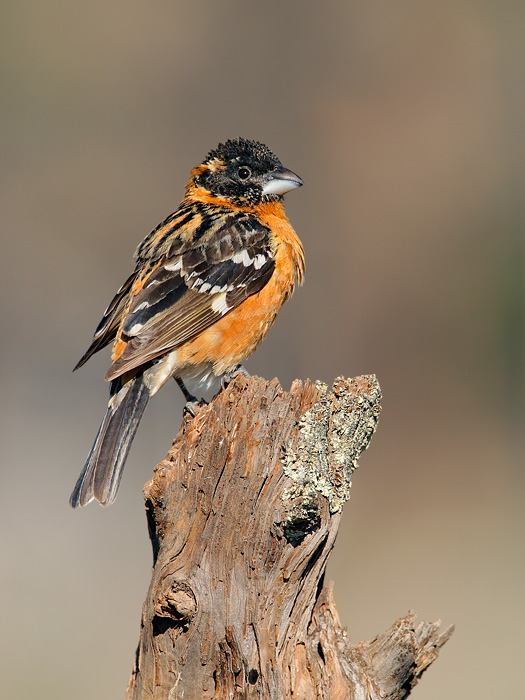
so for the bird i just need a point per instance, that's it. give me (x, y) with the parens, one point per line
(207, 285)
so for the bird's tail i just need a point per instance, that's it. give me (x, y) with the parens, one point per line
(100, 477)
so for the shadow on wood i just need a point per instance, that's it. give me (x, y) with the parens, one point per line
(243, 514)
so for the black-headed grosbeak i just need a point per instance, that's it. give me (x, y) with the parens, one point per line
(207, 285)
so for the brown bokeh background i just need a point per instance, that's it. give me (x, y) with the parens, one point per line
(406, 122)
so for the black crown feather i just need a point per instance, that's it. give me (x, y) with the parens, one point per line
(243, 148)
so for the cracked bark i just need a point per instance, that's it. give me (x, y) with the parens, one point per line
(243, 514)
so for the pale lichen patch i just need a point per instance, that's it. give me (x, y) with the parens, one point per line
(331, 436)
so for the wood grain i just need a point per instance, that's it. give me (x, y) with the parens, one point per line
(243, 514)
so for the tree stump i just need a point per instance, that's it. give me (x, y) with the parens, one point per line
(243, 514)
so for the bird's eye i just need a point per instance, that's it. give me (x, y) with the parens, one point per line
(244, 172)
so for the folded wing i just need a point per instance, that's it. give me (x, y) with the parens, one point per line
(192, 287)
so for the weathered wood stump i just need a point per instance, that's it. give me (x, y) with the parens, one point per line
(243, 514)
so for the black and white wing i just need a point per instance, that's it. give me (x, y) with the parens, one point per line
(194, 286)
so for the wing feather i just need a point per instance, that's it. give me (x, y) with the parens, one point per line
(107, 328)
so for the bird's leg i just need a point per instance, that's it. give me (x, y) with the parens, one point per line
(192, 402)
(189, 397)
(230, 376)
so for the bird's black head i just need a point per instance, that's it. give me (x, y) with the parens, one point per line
(244, 172)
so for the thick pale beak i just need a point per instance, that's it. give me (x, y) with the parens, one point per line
(280, 181)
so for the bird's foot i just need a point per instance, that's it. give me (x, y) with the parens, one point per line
(193, 407)
(230, 376)
(193, 404)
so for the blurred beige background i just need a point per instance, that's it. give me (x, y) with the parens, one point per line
(406, 121)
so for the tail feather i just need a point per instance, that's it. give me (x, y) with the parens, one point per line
(100, 477)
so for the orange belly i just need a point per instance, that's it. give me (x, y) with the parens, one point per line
(235, 336)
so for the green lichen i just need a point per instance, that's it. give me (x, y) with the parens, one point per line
(332, 435)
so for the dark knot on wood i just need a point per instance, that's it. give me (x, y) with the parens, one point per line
(177, 602)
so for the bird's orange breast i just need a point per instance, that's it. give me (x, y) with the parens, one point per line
(231, 339)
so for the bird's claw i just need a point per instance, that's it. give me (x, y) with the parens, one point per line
(230, 376)
(193, 407)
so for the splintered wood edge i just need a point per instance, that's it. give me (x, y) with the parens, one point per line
(397, 658)
(331, 436)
